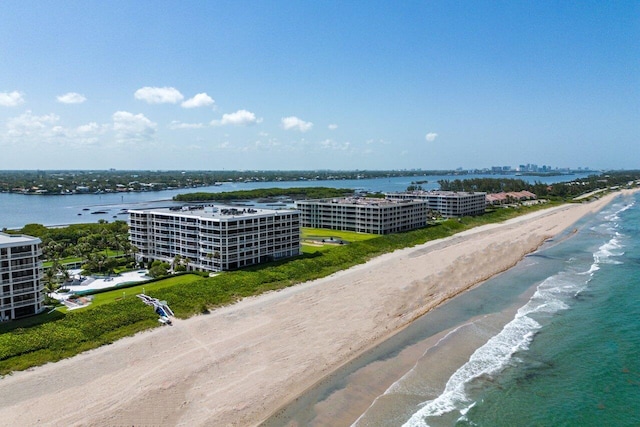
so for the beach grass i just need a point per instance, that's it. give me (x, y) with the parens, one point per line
(112, 318)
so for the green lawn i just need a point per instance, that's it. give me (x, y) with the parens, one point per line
(325, 233)
(73, 260)
(310, 236)
(118, 294)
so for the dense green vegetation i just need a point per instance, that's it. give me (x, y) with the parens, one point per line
(558, 191)
(100, 248)
(106, 181)
(84, 329)
(92, 181)
(76, 239)
(266, 193)
(77, 331)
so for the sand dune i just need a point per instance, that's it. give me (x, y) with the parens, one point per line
(237, 365)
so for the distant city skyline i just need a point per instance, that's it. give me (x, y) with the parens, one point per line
(331, 85)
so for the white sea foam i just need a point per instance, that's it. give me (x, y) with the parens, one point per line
(498, 352)
(551, 296)
(611, 249)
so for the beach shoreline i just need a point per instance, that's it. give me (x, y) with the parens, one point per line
(241, 363)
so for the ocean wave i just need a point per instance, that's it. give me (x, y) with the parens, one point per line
(609, 250)
(494, 356)
(614, 216)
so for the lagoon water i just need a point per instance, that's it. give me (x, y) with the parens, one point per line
(18, 209)
(555, 341)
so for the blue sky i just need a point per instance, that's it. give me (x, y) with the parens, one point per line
(319, 85)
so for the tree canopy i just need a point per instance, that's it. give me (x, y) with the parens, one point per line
(266, 193)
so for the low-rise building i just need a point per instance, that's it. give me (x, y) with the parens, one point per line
(21, 286)
(510, 197)
(363, 215)
(216, 238)
(450, 204)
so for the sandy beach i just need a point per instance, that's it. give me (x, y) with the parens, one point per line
(239, 364)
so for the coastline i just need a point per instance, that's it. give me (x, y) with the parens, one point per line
(236, 365)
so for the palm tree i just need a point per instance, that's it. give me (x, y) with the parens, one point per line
(177, 260)
(50, 279)
(209, 258)
(63, 272)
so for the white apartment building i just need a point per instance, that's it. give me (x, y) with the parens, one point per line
(21, 286)
(216, 238)
(363, 215)
(449, 204)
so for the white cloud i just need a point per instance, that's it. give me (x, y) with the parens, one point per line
(71, 98)
(11, 99)
(431, 136)
(200, 100)
(37, 131)
(27, 124)
(239, 118)
(332, 126)
(330, 144)
(92, 127)
(377, 141)
(59, 131)
(131, 127)
(88, 134)
(159, 95)
(293, 122)
(180, 125)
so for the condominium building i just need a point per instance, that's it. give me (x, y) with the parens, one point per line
(21, 286)
(449, 204)
(363, 215)
(216, 238)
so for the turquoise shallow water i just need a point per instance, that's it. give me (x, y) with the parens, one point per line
(554, 341)
(571, 354)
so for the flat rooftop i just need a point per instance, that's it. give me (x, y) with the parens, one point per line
(17, 239)
(215, 211)
(439, 193)
(362, 201)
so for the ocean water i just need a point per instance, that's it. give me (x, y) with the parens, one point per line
(570, 356)
(554, 341)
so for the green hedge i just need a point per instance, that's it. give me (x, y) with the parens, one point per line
(81, 330)
(77, 329)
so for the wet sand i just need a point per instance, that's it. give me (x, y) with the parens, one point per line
(239, 364)
(380, 387)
